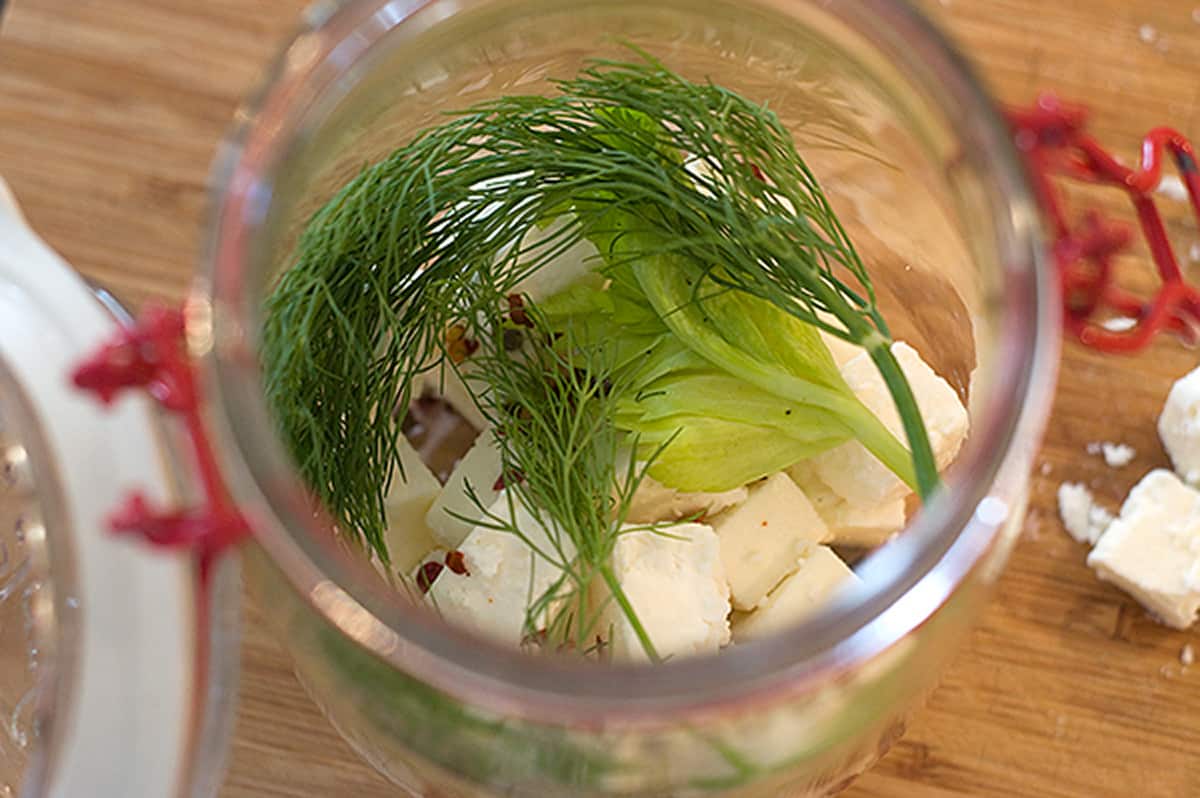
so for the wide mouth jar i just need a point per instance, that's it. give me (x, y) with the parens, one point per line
(917, 161)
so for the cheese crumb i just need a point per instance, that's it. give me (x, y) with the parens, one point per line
(1187, 655)
(1171, 187)
(1084, 520)
(1117, 455)
(1179, 426)
(1152, 550)
(1119, 324)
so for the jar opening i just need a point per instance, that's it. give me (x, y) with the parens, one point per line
(327, 96)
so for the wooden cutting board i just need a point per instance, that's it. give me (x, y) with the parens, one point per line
(110, 111)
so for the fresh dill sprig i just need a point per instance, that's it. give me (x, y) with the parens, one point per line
(552, 402)
(435, 236)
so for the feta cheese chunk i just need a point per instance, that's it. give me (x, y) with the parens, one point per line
(503, 574)
(1179, 426)
(674, 579)
(1152, 550)
(762, 538)
(852, 471)
(480, 468)
(864, 525)
(654, 502)
(819, 574)
(407, 501)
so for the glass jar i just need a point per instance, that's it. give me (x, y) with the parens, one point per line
(919, 165)
(117, 664)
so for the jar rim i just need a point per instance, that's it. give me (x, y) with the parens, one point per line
(913, 576)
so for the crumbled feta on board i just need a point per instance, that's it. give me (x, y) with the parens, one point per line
(864, 525)
(480, 468)
(405, 505)
(819, 573)
(503, 574)
(1179, 426)
(1152, 550)
(762, 538)
(675, 582)
(1083, 519)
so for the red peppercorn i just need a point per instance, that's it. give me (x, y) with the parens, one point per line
(427, 574)
(457, 563)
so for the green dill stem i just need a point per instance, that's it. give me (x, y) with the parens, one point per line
(631, 615)
(910, 415)
(918, 470)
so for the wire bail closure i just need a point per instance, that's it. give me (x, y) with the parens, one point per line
(1053, 139)
(152, 355)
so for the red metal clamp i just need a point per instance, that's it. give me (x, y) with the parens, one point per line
(1053, 139)
(152, 355)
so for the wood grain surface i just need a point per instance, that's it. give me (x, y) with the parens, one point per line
(110, 111)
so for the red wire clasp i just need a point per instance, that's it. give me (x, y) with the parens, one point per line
(1053, 140)
(152, 355)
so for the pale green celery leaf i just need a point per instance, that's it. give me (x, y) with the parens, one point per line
(675, 393)
(747, 432)
(748, 337)
(744, 335)
(582, 298)
(717, 395)
(670, 338)
(714, 455)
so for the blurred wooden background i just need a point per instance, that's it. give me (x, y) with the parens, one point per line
(110, 111)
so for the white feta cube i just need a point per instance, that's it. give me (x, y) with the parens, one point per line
(504, 573)
(480, 468)
(1152, 550)
(820, 572)
(863, 525)
(675, 582)
(406, 504)
(852, 471)
(762, 538)
(655, 502)
(1179, 426)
